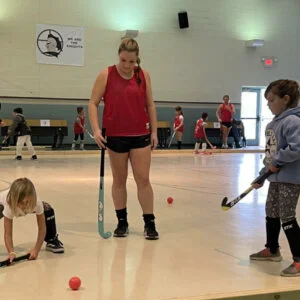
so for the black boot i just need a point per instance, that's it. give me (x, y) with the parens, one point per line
(179, 145)
(122, 227)
(150, 232)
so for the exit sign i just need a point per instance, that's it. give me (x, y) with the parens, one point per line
(269, 61)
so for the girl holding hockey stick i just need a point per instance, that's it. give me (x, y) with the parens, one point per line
(200, 134)
(283, 159)
(79, 128)
(178, 125)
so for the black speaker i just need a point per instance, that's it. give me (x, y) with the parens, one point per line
(183, 19)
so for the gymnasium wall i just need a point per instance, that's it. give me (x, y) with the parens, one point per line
(66, 110)
(194, 65)
(198, 64)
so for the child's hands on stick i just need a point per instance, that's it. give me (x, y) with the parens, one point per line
(33, 253)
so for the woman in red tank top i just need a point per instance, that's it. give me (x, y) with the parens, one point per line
(227, 111)
(130, 121)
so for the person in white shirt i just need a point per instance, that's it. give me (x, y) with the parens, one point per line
(19, 200)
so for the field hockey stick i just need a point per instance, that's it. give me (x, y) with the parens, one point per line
(90, 135)
(2, 143)
(6, 262)
(210, 144)
(101, 231)
(260, 179)
(171, 139)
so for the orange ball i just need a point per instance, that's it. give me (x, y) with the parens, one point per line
(74, 283)
(170, 200)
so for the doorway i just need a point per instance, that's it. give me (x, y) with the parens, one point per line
(255, 115)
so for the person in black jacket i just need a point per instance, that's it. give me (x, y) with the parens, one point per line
(20, 128)
(238, 132)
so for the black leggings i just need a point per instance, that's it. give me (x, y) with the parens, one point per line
(77, 135)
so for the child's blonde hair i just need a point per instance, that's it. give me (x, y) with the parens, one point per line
(19, 189)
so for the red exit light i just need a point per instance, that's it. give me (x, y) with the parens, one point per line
(269, 62)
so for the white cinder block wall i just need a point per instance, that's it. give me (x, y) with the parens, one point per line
(198, 64)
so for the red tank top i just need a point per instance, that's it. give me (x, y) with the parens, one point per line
(226, 116)
(77, 128)
(125, 111)
(199, 131)
(177, 122)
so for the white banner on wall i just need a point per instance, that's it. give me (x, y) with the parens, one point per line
(59, 45)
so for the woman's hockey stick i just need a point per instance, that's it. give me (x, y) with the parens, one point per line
(101, 231)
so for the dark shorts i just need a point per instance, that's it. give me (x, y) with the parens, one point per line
(123, 144)
(227, 124)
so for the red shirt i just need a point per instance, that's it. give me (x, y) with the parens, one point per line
(226, 116)
(125, 105)
(177, 122)
(199, 131)
(77, 128)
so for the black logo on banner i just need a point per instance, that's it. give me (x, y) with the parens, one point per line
(50, 43)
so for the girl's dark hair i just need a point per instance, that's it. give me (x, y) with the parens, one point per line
(204, 115)
(284, 87)
(179, 108)
(18, 110)
(131, 45)
(79, 109)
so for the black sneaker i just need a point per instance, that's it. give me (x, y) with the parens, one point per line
(150, 232)
(122, 229)
(33, 157)
(55, 246)
(19, 157)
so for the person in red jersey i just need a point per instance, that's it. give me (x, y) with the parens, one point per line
(227, 111)
(79, 128)
(178, 125)
(130, 121)
(200, 134)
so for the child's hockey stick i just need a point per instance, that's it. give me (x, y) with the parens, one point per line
(101, 231)
(2, 143)
(90, 135)
(260, 179)
(5, 263)
(171, 139)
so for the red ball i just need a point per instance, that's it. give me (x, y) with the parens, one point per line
(170, 200)
(74, 283)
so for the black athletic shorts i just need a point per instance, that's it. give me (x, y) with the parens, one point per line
(227, 124)
(123, 144)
